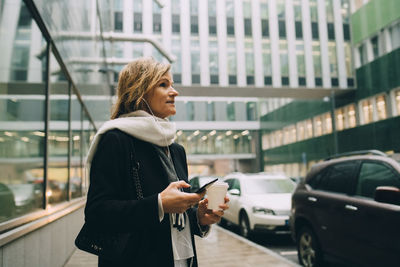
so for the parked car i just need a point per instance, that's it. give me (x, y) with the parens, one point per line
(348, 208)
(198, 181)
(26, 197)
(259, 202)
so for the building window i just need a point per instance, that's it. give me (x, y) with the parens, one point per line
(212, 17)
(314, 30)
(176, 27)
(251, 111)
(395, 35)
(25, 19)
(327, 128)
(137, 22)
(309, 129)
(210, 111)
(231, 57)
(299, 30)
(230, 14)
(281, 18)
(230, 26)
(212, 25)
(346, 32)
(331, 31)
(194, 25)
(283, 52)
(301, 65)
(397, 101)
(339, 114)
(316, 52)
(351, 116)
(381, 107)
(362, 51)
(156, 18)
(317, 126)
(282, 29)
(194, 18)
(375, 48)
(230, 110)
(367, 111)
(300, 131)
(247, 18)
(189, 111)
(249, 57)
(213, 62)
(118, 21)
(264, 19)
(267, 65)
(195, 61)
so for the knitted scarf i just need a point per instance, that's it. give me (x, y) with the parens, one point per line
(139, 124)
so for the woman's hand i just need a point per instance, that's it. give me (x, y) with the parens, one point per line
(176, 201)
(207, 216)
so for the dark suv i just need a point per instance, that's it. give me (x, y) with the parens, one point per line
(348, 207)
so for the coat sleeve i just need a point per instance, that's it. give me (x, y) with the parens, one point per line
(109, 203)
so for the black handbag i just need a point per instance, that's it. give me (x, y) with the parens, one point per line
(109, 245)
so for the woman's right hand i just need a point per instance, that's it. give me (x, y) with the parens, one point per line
(176, 201)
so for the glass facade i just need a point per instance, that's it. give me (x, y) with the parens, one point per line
(43, 114)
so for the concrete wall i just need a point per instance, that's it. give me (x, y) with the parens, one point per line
(49, 246)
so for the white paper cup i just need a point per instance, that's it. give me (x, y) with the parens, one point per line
(216, 195)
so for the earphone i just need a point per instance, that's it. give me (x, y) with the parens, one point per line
(162, 130)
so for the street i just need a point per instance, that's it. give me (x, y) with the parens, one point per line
(282, 244)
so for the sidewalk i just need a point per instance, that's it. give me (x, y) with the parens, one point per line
(219, 249)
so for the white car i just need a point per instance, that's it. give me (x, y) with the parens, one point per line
(259, 202)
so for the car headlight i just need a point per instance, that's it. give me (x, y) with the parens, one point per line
(263, 211)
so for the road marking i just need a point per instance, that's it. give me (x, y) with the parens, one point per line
(287, 253)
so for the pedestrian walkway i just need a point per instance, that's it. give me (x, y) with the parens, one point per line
(219, 249)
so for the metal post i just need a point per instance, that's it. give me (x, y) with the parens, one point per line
(334, 132)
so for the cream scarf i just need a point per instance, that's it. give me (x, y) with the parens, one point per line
(139, 124)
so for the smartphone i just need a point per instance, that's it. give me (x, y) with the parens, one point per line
(207, 185)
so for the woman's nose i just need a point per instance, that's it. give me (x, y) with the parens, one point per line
(173, 91)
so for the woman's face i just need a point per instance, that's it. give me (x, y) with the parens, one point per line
(162, 98)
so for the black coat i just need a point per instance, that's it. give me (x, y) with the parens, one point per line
(112, 205)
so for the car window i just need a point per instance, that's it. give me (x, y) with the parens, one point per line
(374, 174)
(236, 184)
(268, 186)
(230, 183)
(337, 178)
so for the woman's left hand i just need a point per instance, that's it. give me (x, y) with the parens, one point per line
(207, 216)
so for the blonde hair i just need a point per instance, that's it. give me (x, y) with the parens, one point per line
(135, 80)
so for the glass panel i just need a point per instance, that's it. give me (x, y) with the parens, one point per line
(58, 135)
(76, 184)
(22, 113)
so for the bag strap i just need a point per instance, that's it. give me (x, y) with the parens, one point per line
(135, 171)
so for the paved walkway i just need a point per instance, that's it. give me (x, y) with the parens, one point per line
(219, 249)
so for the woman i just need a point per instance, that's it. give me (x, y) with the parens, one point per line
(162, 225)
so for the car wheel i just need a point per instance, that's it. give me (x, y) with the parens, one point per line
(308, 250)
(244, 225)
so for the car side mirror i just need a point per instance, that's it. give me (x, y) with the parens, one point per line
(387, 194)
(234, 192)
